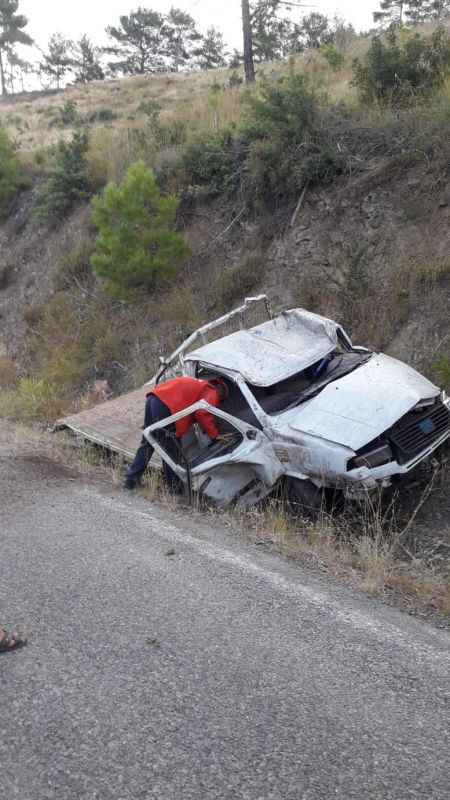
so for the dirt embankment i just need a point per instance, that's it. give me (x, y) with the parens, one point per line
(372, 251)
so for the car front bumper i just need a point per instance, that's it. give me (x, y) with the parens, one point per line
(364, 479)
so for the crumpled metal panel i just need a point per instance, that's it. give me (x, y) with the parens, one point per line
(252, 312)
(273, 351)
(358, 407)
(116, 424)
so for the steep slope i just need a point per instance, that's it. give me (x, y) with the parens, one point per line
(372, 251)
(370, 247)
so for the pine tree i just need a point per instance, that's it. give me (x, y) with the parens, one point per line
(16, 70)
(68, 182)
(12, 32)
(415, 12)
(391, 12)
(57, 60)
(85, 61)
(212, 53)
(136, 244)
(271, 34)
(182, 38)
(437, 9)
(249, 64)
(315, 30)
(344, 33)
(138, 42)
(236, 59)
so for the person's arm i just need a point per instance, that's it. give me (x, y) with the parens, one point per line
(204, 418)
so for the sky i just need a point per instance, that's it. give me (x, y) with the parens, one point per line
(91, 16)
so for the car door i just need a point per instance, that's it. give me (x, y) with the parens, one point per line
(246, 446)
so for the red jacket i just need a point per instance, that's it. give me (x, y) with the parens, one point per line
(180, 393)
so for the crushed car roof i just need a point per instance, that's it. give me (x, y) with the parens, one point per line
(276, 350)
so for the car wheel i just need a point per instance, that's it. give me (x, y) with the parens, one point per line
(304, 497)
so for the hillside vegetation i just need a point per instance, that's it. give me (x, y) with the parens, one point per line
(370, 236)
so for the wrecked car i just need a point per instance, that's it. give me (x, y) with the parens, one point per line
(307, 409)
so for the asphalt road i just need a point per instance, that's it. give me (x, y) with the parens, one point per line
(216, 672)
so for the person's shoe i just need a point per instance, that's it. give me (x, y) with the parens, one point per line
(130, 484)
(13, 642)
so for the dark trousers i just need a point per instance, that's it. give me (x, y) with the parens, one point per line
(155, 411)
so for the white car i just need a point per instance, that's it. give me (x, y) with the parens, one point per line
(306, 407)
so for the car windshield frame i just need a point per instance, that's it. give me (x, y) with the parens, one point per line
(315, 388)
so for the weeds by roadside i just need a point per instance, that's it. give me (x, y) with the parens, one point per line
(374, 546)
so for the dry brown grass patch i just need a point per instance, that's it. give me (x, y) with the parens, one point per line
(8, 373)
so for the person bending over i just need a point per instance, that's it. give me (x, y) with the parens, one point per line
(169, 398)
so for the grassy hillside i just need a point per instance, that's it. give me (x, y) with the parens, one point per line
(198, 102)
(369, 241)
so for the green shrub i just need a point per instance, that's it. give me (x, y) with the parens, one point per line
(332, 55)
(10, 173)
(40, 157)
(68, 184)
(70, 343)
(281, 145)
(74, 266)
(151, 109)
(102, 115)
(286, 111)
(136, 244)
(67, 114)
(442, 371)
(287, 143)
(54, 344)
(235, 80)
(172, 134)
(213, 163)
(32, 399)
(400, 74)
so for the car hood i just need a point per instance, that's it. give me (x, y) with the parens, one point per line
(357, 408)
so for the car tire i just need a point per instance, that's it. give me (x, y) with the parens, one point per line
(304, 498)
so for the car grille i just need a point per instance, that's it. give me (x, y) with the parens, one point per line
(417, 431)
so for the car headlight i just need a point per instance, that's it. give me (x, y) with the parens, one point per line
(374, 458)
(445, 398)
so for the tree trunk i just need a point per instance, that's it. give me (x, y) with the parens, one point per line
(2, 76)
(248, 42)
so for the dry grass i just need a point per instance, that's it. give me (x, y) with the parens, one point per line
(8, 373)
(201, 101)
(363, 546)
(32, 399)
(185, 96)
(191, 103)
